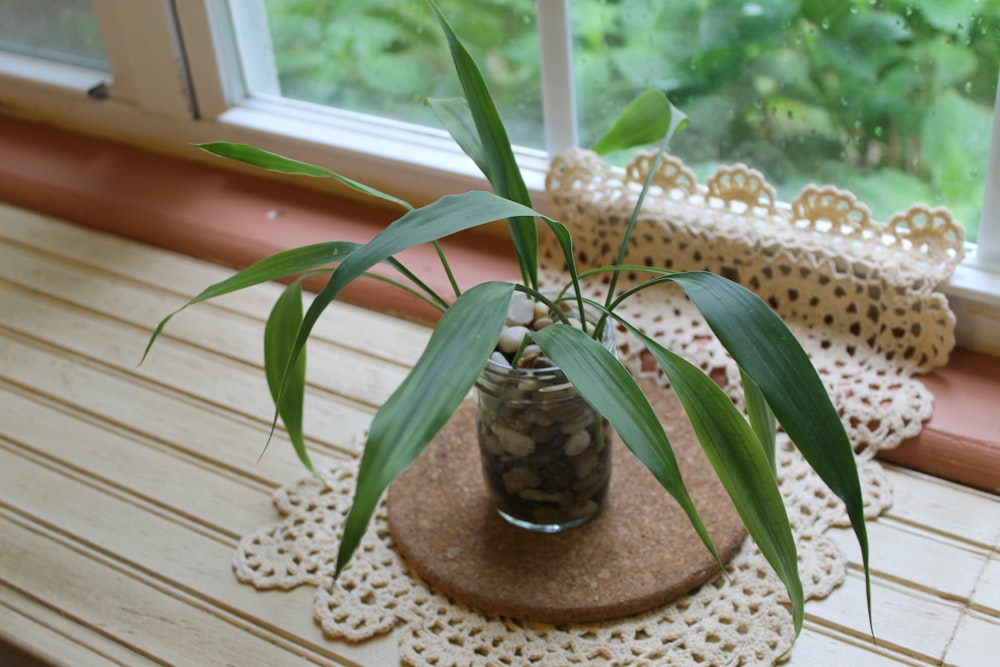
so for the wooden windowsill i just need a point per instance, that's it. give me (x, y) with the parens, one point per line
(236, 218)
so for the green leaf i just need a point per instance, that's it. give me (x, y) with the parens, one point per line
(456, 354)
(740, 461)
(456, 117)
(761, 418)
(611, 390)
(501, 169)
(258, 157)
(279, 336)
(440, 218)
(280, 265)
(770, 355)
(648, 119)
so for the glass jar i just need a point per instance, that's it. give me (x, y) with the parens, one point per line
(545, 451)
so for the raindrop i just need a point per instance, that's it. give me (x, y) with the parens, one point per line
(879, 132)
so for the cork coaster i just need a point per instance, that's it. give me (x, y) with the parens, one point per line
(638, 554)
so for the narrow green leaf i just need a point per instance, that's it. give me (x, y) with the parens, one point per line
(456, 117)
(565, 240)
(262, 159)
(501, 167)
(462, 341)
(649, 118)
(279, 336)
(739, 460)
(771, 356)
(761, 418)
(277, 266)
(611, 390)
(438, 219)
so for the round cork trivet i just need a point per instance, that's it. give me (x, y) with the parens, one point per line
(638, 554)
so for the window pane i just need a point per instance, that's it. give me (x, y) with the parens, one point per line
(890, 99)
(385, 57)
(63, 31)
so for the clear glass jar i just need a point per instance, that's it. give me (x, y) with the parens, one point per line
(546, 452)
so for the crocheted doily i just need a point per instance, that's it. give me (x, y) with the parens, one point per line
(859, 295)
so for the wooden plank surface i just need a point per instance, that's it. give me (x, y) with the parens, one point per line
(124, 490)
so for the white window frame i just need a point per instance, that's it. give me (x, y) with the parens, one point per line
(172, 83)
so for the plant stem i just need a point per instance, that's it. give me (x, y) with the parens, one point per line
(447, 269)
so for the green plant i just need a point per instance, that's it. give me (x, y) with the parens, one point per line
(777, 374)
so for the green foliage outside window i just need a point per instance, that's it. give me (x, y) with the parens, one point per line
(888, 98)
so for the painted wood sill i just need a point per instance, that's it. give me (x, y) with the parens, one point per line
(235, 218)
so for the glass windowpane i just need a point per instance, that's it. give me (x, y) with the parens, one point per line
(385, 58)
(64, 31)
(892, 100)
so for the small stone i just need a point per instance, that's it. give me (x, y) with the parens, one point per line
(585, 465)
(536, 496)
(521, 310)
(544, 433)
(541, 311)
(542, 322)
(525, 386)
(585, 419)
(516, 480)
(513, 442)
(542, 362)
(499, 359)
(528, 356)
(491, 444)
(511, 337)
(588, 508)
(576, 443)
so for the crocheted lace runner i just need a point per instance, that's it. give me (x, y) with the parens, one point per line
(860, 295)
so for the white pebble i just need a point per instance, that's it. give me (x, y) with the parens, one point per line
(513, 442)
(511, 337)
(576, 443)
(521, 309)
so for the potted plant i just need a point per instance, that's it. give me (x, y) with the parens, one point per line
(779, 380)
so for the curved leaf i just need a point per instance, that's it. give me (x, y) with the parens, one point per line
(611, 390)
(741, 463)
(258, 157)
(649, 118)
(770, 355)
(279, 336)
(279, 265)
(761, 418)
(456, 117)
(501, 169)
(462, 341)
(440, 218)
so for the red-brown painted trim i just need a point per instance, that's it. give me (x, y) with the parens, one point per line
(961, 442)
(236, 218)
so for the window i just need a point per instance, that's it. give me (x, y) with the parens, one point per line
(795, 83)
(63, 31)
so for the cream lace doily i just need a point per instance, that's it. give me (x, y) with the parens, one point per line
(860, 296)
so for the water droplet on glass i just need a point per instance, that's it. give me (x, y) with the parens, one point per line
(879, 132)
